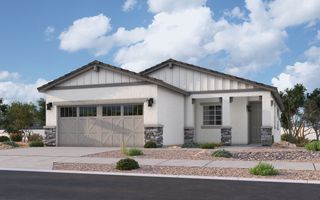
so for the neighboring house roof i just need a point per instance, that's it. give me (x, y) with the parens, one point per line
(91, 65)
(170, 62)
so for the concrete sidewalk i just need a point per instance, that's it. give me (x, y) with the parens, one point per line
(43, 158)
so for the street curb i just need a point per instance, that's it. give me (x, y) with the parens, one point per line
(168, 176)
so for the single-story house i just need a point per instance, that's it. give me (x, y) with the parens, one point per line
(170, 103)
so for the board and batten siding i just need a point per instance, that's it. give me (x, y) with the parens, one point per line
(103, 76)
(192, 80)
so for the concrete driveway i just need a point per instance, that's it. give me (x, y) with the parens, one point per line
(42, 158)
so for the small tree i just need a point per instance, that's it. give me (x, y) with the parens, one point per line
(19, 116)
(3, 112)
(41, 114)
(312, 111)
(292, 119)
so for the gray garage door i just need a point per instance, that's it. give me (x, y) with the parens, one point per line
(103, 125)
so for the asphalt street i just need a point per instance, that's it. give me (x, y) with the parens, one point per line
(40, 185)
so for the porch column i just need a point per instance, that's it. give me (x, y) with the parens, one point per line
(226, 133)
(266, 128)
(189, 134)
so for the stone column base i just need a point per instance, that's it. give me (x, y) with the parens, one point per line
(188, 135)
(50, 135)
(226, 135)
(154, 133)
(266, 135)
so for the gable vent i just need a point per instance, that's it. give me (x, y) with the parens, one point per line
(96, 68)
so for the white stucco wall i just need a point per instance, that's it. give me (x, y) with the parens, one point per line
(104, 93)
(239, 120)
(171, 115)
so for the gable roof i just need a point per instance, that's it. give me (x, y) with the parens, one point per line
(91, 65)
(170, 62)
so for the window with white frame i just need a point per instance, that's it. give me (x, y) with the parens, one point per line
(212, 114)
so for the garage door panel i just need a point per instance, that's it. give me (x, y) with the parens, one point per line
(94, 126)
(68, 139)
(116, 139)
(90, 139)
(101, 131)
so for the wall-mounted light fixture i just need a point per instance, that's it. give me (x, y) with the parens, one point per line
(220, 99)
(49, 106)
(230, 99)
(150, 102)
(271, 102)
(248, 108)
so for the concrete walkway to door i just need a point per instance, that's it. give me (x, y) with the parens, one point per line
(43, 158)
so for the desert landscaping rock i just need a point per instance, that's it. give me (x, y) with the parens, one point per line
(196, 171)
(4, 146)
(252, 154)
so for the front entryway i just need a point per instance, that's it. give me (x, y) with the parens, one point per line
(101, 125)
(255, 122)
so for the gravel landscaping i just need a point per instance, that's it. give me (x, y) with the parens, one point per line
(198, 171)
(4, 146)
(246, 154)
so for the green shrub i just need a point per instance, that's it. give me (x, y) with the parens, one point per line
(134, 152)
(4, 138)
(16, 137)
(150, 144)
(208, 145)
(222, 153)
(299, 141)
(264, 169)
(190, 145)
(127, 164)
(36, 143)
(313, 146)
(11, 143)
(34, 137)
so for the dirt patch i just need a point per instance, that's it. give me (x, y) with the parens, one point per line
(197, 171)
(4, 146)
(250, 154)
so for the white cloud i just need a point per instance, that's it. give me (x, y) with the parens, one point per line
(287, 13)
(5, 75)
(306, 72)
(186, 30)
(235, 13)
(49, 32)
(180, 35)
(87, 33)
(318, 35)
(12, 89)
(129, 5)
(157, 6)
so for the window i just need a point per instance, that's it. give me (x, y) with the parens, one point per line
(132, 109)
(212, 115)
(68, 112)
(88, 111)
(111, 110)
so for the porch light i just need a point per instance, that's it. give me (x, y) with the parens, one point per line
(271, 102)
(231, 99)
(150, 102)
(49, 106)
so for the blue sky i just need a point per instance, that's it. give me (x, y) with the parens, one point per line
(274, 42)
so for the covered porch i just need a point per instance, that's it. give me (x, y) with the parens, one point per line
(231, 118)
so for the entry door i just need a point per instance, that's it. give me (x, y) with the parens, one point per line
(255, 122)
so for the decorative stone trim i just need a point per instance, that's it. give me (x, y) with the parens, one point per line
(154, 133)
(266, 135)
(226, 135)
(188, 135)
(50, 135)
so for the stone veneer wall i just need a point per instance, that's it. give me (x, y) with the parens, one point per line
(154, 133)
(188, 135)
(226, 136)
(50, 135)
(266, 135)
